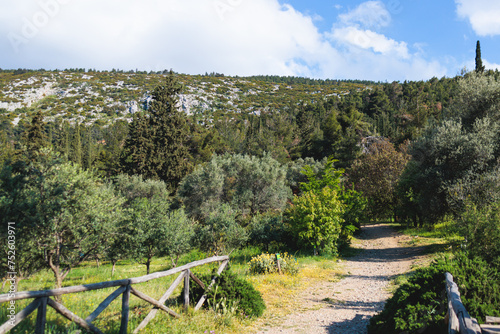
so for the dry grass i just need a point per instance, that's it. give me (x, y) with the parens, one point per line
(281, 293)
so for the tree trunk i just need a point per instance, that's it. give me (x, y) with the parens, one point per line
(55, 267)
(59, 282)
(148, 263)
(174, 262)
(113, 268)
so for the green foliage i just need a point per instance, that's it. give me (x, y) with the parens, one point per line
(66, 212)
(35, 136)
(204, 142)
(308, 130)
(316, 219)
(250, 185)
(154, 230)
(355, 212)
(478, 97)
(376, 174)
(266, 264)
(295, 171)
(419, 305)
(287, 117)
(479, 61)
(220, 233)
(354, 203)
(133, 187)
(270, 232)
(157, 144)
(457, 161)
(481, 229)
(329, 177)
(233, 289)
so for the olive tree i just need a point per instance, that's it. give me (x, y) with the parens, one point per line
(65, 213)
(152, 228)
(456, 162)
(249, 184)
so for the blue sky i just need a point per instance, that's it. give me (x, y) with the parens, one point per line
(382, 40)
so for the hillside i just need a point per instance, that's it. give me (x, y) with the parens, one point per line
(104, 97)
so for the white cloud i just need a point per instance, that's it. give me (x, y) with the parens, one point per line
(483, 15)
(490, 66)
(370, 14)
(235, 37)
(367, 39)
(471, 65)
(372, 55)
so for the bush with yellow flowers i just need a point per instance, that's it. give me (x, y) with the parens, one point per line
(266, 264)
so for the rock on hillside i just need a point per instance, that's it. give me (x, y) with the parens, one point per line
(107, 96)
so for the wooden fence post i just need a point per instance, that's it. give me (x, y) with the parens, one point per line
(278, 263)
(20, 316)
(125, 310)
(41, 317)
(186, 289)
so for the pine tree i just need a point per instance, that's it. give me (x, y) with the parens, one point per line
(479, 61)
(157, 143)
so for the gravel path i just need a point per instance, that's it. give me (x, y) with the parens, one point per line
(347, 305)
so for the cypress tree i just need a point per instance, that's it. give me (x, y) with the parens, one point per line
(35, 135)
(479, 61)
(77, 145)
(138, 149)
(67, 141)
(157, 143)
(90, 149)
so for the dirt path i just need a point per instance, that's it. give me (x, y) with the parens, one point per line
(346, 306)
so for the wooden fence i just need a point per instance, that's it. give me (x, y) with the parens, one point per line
(42, 298)
(459, 320)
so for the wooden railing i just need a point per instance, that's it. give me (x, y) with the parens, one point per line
(42, 298)
(459, 320)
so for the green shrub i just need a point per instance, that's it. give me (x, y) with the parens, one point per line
(232, 290)
(481, 227)
(419, 305)
(316, 219)
(266, 264)
(221, 233)
(270, 233)
(354, 215)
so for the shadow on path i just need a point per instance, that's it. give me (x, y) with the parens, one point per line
(389, 254)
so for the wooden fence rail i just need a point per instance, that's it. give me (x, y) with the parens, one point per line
(125, 288)
(459, 320)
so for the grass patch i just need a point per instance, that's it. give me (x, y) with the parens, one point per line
(446, 230)
(280, 293)
(440, 238)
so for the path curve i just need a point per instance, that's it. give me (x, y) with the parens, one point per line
(346, 306)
